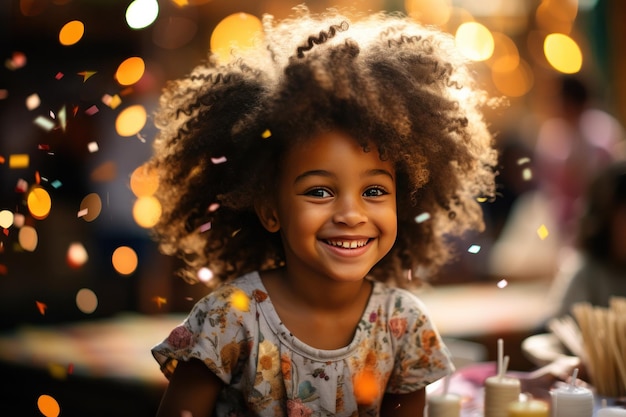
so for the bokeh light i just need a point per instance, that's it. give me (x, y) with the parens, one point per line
(76, 255)
(474, 41)
(141, 13)
(240, 301)
(124, 260)
(6, 218)
(516, 82)
(238, 31)
(143, 181)
(131, 120)
(563, 53)
(86, 300)
(147, 211)
(366, 388)
(71, 32)
(28, 238)
(39, 203)
(48, 406)
(429, 12)
(130, 71)
(90, 207)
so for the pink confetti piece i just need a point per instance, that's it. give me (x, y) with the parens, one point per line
(213, 207)
(92, 110)
(203, 228)
(59, 75)
(21, 186)
(219, 160)
(82, 213)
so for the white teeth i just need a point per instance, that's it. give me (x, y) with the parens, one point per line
(347, 244)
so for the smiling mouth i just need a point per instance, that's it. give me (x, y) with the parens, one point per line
(348, 244)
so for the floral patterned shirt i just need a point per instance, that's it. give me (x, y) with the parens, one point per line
(267, 371)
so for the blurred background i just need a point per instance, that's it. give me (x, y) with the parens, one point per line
(78, 87)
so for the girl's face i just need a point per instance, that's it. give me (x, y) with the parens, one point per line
(335, 208)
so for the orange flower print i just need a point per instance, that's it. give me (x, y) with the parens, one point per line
(285, 367)
(429, 340)
(230, 355)
(398, 326)
(180, 337)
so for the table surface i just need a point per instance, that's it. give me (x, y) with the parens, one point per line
(119, 347)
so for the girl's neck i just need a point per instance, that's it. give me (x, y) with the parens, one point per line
(316, 295)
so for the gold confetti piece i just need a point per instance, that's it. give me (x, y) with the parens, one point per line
(87, 74)
(266, 134)
(63, 118)
(44, 123)
(481, 199)
(112, 101)
(240, 300)
(160, 301)
(41, 307)
(542, 232)
(20, 160)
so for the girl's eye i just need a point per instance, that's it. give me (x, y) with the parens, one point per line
(375, 192)
(318, 192)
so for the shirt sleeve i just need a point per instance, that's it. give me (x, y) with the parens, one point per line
(421, 357)
(214, 332)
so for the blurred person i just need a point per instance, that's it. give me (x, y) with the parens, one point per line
(598, 270)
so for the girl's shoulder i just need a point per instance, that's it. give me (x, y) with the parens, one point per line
(396, 301)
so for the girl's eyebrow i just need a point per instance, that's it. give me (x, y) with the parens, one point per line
(328, 174)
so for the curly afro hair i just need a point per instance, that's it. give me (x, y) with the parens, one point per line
(382, 78)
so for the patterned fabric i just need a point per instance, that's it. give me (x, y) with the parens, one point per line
(267, 371)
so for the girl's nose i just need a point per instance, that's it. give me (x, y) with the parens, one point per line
(350, 211)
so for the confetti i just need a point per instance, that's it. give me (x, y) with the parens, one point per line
(87, 74)
(527, 174)
(33, 101)
(112, 101)
(59, 75)
(19, 160)
(41, 307)
(56, 184)
(213, 207)
(542, 232)
(82, 213)
(502, 283)
(44, 123)
(17, 61)
(219, 160)
(92, 110)
(474, 249)
(524, 160)
(160, 301)
(205, 227)
(21, 186)
(240, 300)
(266, 134)
(421, 218)
(63, 118)
(92, 147)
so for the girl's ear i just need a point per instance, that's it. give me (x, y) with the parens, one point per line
(266, 212)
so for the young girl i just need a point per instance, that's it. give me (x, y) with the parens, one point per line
(336, 157)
